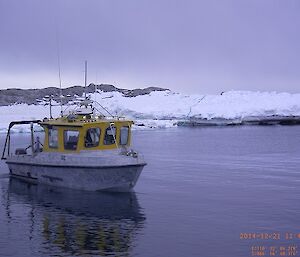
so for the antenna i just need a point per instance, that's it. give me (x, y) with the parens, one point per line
(59, 74)
(85, 78)
(95, 93)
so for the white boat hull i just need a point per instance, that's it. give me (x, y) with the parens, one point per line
(115, 178)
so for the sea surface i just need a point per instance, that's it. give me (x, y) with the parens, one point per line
(211, 192)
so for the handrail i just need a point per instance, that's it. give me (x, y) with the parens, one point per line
(7, 139)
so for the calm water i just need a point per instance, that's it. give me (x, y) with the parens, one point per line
(202, 190)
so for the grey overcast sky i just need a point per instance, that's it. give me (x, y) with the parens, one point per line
(189, 46)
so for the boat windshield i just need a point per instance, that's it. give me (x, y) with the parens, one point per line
(92, 137)
(71, 139)
(124, 135)
(110, 135)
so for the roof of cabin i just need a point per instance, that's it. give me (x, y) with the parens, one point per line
(81, 121)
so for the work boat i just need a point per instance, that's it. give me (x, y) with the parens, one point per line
(81, 150)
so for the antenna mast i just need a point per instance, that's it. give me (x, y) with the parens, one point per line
(59, 74)
(60, 89)
(85, 78)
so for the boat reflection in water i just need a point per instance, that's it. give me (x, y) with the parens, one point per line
(79, 222)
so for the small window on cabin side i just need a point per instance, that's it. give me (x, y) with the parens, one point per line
(71, 139)
(92, 137)
(124, 133)
(110, 135)
(53, 137)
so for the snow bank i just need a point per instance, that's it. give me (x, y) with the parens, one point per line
(229, 105)
(163, 109)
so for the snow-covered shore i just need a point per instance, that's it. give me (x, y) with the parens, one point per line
(163, 109)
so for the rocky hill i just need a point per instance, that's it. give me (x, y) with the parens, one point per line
(30, 96)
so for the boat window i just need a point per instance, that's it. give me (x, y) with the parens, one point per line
(124, 135)
(110, 135)
(53, 137)
(92, 137)
(71, 139)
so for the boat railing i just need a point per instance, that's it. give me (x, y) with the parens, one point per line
(79, 105)
(6, 148)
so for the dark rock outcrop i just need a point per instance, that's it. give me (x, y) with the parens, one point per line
(30, 96)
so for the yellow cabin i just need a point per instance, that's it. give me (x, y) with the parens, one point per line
(82, 132)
